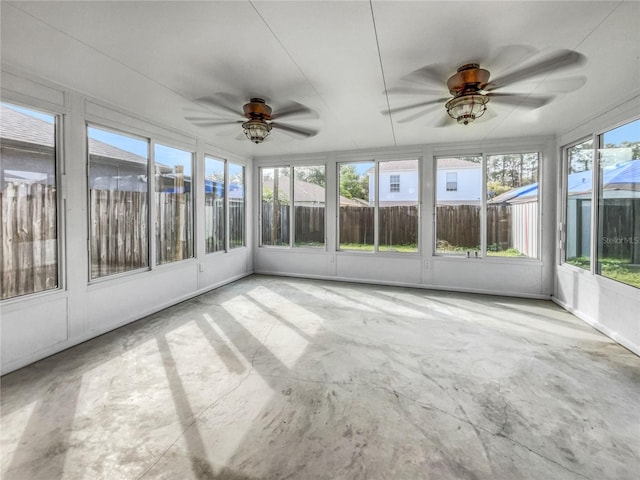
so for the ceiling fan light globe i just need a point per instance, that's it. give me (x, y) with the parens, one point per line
(466, 108)
(256, 130)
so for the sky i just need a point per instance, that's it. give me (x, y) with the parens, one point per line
(629, 132)
(31, 113)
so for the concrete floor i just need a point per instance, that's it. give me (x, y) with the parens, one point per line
(280, 378)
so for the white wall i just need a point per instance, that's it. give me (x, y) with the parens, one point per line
(609, 306)
(502, 276)
(35, 326)
(469, 185)
(409, 187)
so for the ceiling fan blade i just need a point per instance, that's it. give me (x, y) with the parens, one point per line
(421, 113)
(445, 121)
(431, 74)
(294, 109)
(296, 131)
(507, 56)
(413, 91)
(563, 85)
(392, 111)
(558, 61)
(214, 123)
(208, 119)
(519, 100)
(222, 101)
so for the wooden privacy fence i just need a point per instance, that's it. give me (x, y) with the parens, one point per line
(214, 223)
(119, 230)
(119, 225)
(458, 225)
(398, 225)
(29, 239)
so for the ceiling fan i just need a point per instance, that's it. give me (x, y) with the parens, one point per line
(472, 90)
(258, 117)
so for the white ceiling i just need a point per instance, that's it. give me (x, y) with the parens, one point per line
(156, 58)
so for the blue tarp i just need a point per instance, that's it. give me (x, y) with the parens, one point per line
(623, 176)
(235, 190)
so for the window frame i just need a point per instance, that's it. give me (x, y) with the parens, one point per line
(225, 203)
(290, 166)
(485, 152)
(152, 167)
(564, 186)
(228, 206)
(88, 123)
(394, 185)
(454, 183)
(349, 160)
(58, 112)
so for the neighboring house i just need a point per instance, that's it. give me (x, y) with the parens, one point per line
(458, 182)
(28, 149)
(307, 194)
(620, 183)
(398, 183)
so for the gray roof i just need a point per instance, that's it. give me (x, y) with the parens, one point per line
(456, 163)
(20, 127)
(309, 192)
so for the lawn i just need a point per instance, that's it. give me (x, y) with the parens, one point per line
(619, 270)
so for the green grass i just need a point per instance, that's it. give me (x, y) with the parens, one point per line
(449, 249)
(409, 248)
(619, 270)
(309, 244)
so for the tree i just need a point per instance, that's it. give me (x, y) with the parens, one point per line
(351, 184)
(311, 175)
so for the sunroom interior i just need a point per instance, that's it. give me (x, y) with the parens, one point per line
(131, 182)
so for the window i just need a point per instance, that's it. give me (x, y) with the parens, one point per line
(174, 204)
(452, 182)
(307, 189)
(275, 206)
(459, 211)
(372, 218)
(398, 214)
(512, 205)
(503, 221)
(618, 249)
(357, 206)
(236, 206)
(309, 196)
(28, 201)
(394, 183)
(578, 204)
(214, 195)
(118, 202)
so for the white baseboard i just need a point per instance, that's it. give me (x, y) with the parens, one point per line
(626, 343)
(10, 366)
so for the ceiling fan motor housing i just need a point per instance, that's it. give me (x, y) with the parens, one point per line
(257, 108)
(470, 78)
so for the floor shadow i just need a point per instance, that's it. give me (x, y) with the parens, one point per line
(222, 349)
(46, 440)
(197, 453)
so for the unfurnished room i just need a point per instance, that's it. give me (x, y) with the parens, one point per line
(246, 240)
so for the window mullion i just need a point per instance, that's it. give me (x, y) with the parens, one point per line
(376, 209)
(292, 208)
(595, 195)
(152, 233)
(483, 209)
